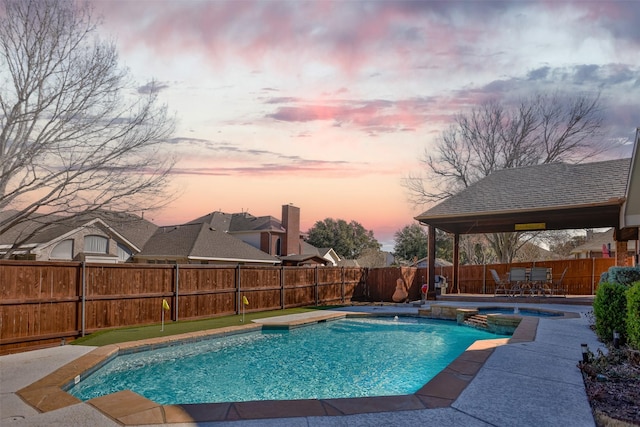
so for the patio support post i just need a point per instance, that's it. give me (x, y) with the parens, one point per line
(456, 261)
(431, 261)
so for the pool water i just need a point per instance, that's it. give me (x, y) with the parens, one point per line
(343, 358)
(520, 311)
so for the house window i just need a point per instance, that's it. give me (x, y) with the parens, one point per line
(96, 244)
(63, 250)
(124, 254)
(278, 246)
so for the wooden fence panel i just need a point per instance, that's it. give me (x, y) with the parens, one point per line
(261, 286)
(205, 292)
(38, 303)
(125, 295)
(330, 285)
(299, 286)
(354, 282)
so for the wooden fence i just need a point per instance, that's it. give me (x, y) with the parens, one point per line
(582, 275)
(45, 303)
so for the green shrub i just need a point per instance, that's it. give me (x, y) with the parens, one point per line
(623, 275)
(610, 310)
(633, 315)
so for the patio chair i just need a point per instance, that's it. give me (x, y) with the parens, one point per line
(557, 288)
(500, 285)
(538, 281)
(518, 280)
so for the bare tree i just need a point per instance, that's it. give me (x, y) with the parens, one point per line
(75, 135)
(545, 128)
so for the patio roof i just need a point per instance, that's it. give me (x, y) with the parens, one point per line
(542, 197)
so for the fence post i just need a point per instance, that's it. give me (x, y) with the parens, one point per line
(282, 287)
(342, 279)
(84, 299)
(316, 287)
(593, 275)
(177, 281)
(484, 279)
(238, 290)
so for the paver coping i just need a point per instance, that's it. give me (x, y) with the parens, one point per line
(129, 408)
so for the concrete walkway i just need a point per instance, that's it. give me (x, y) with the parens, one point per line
(525, 384)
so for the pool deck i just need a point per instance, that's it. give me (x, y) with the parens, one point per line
(532, 380)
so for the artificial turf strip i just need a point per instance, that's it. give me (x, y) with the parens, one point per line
(114, 336)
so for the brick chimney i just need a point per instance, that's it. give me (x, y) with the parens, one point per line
(291, 223)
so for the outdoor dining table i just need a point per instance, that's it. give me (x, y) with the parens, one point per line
(522, 281)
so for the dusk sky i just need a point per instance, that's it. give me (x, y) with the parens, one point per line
(329, 104)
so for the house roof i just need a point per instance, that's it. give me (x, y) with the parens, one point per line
(200, 241)
(599, 239)
(134, 229)
(548, 196)
(240, 222)
(302, 258)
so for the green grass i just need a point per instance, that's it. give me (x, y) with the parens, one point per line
(114, 336)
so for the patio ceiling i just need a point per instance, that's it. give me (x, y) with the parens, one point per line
(570, 217)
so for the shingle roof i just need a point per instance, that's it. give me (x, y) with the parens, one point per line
(239, 222)
(132, 227)
(552, 185)
(201, 241)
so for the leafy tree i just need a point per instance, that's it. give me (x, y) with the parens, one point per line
(76, 136)
(544, 128)
(563, 244)
(347, 239)
(411, 242)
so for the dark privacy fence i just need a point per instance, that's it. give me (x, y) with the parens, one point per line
(43, 303)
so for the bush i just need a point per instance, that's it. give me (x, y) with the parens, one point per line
(623, 275)
(633, 315)
(610, 310)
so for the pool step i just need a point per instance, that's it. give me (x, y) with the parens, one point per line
(478, 321)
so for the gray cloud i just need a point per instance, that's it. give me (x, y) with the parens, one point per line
(152, 87)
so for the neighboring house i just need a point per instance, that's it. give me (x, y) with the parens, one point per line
(215, 238)
(200, 243)
(422, 263)
(374, 258)
(601, 245)
(102, 236)
(262, 232)
(328, 254)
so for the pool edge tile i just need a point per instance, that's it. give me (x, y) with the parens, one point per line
(360, 405)
(198, 412)
(47, 394)
(279, 409)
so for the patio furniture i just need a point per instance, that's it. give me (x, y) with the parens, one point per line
(539, 281)
(557, 288)
(500, 285)
(518, 280)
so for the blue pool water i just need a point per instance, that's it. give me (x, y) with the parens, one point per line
(343, 358)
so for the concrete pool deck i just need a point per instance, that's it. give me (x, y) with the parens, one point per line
(534, 380)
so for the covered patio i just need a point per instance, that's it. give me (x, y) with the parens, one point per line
(553, 196)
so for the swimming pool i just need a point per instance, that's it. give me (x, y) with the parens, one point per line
(343, 358)
(520, 311)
